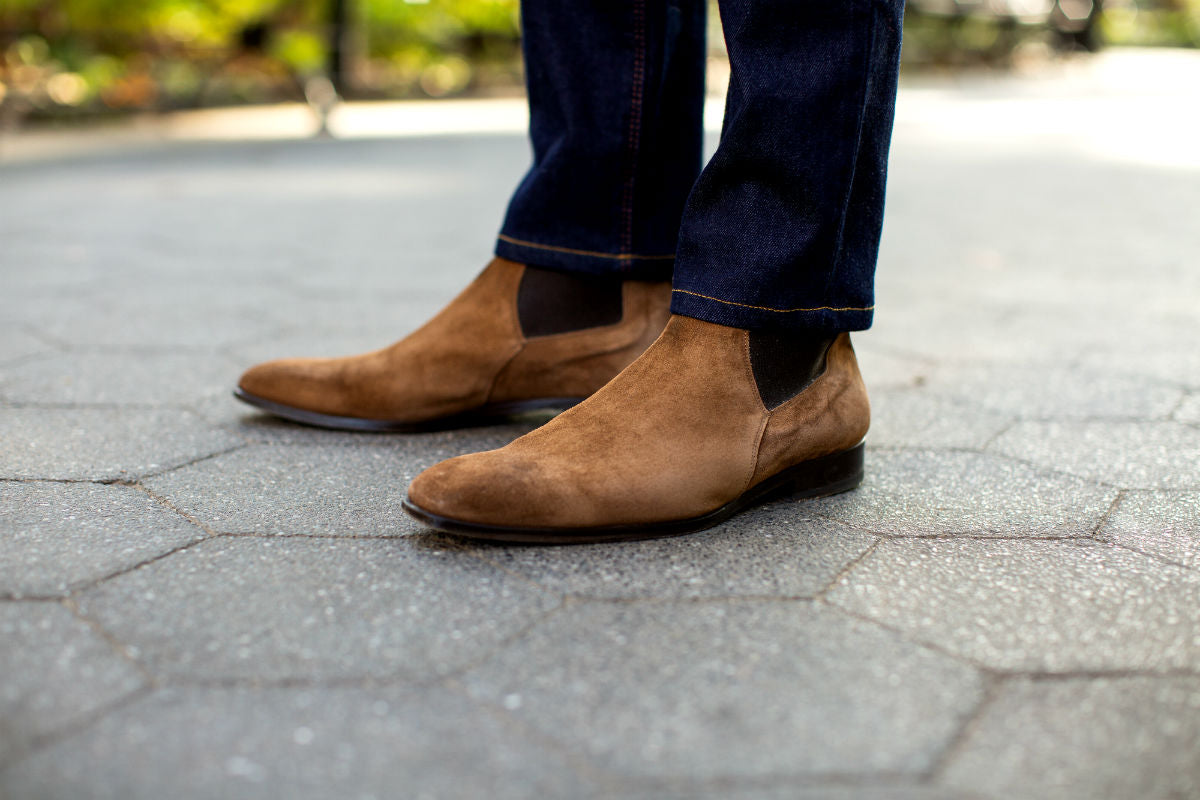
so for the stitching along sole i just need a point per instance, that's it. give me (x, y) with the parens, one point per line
(490, 414)
(819, 477)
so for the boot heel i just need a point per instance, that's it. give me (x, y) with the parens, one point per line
(831, 474)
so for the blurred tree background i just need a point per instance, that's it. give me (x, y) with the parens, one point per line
(86, 57)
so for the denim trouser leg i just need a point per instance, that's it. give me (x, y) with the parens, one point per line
(616, 94)
(782, 229)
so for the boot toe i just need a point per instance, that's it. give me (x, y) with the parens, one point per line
(483, 488)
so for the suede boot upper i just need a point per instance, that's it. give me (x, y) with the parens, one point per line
(678, 434)
(468, 356)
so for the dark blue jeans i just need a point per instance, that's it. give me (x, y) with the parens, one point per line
(780, 231)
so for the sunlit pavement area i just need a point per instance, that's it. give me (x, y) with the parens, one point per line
(199, 601)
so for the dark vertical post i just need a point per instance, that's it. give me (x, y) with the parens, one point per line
(339, 30)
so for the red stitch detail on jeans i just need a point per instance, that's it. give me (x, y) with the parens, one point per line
(633, 138)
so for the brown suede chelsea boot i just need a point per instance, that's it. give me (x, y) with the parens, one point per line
(678, 442)
(473, 362)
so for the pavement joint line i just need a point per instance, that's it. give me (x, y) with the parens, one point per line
(583, 599)
(1101, 675)
(507, 641)
(478, 554)
(1154, 556)
(94, 584)
(1044, 470)
(166, 502)
(983, 448)
(47, 337)
(52, 406)
(904, 637)
(191, 462)
(119, 648)
(365, 682)
(885, 779)
(992, 687)
(846, 569)
(1112, 507)
(370, 537)
(79, 726)
(986, 536)
(578, 762)
(1187, 393)
(27, 479)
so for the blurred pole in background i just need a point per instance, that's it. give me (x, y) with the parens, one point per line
(339, 56)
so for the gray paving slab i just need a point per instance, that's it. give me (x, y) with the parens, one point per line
(882, 369)
(728, 690)
(142, 316)
(1163, 524)
(58, 673)
(1189, 410)
(55, 537)
(1107, 739)
(129, 378)
(1033, 606)
(917, 418)
(301, 744)
(806, 790)
(776, 550)
(1052, 392)
(255, 608)
(917, 493)
(103, 443)
(1160, 358)
(352, 487)
(17, 344)
(339, 323)
(1131, 455)
(257, 426)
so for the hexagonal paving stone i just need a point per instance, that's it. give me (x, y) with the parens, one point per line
(328, 489)
(258, 426)
(772, 550)
(301, 744)
(17, 344)
(57, 672)
(1132, 455)
(1107, 739)
(737, 689)
(138, 378)
(289, 608)
(1189, 410)
(1032, 605)
(922, 493)
(103, 443)
(55, 536)
(849, 789)
(920, 419)
(1164, 524)
(1051, 392)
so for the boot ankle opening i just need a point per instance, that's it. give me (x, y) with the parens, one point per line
(550, 302)
(785, 364)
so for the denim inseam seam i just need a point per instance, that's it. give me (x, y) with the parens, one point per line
(634, 132)
(858, 134)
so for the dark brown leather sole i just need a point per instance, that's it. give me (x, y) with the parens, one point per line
(832, 474)
(484, 415)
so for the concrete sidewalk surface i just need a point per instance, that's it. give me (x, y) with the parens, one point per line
(197, 601)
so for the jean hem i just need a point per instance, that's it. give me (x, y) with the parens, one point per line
(568, 259)
(754, 317)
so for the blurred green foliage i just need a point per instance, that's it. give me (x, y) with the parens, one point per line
(58, 56)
